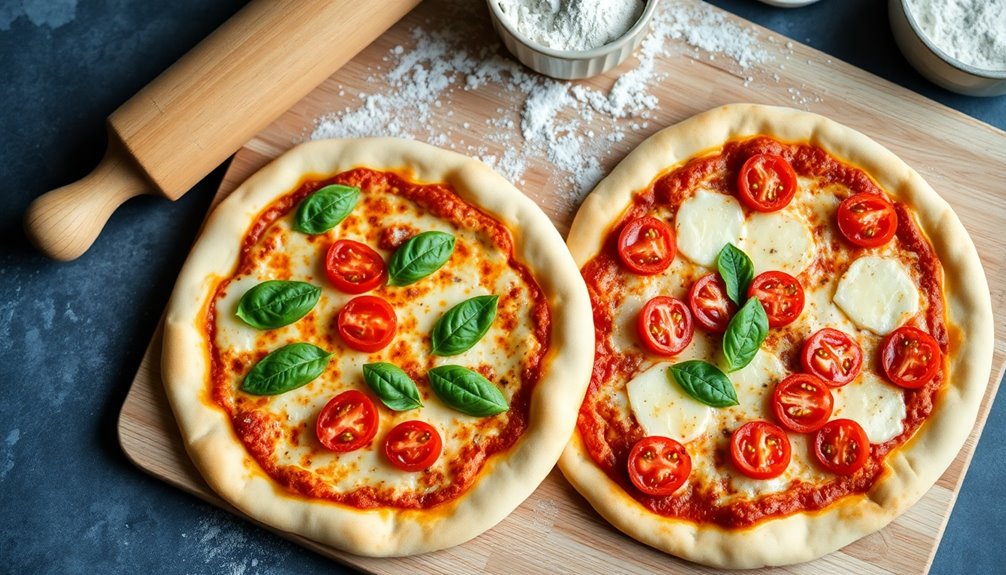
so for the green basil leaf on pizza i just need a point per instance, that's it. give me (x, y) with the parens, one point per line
(419, 257)
(467, 391)
(285, 369)
(462, 326)
(325, 209)
(392, 385)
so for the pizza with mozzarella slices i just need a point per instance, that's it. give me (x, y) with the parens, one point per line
(793, 333)
(378, 345)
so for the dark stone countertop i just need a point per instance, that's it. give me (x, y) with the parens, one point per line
(72, 334)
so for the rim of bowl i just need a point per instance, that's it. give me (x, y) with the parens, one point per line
(648, 8)
(973, 70)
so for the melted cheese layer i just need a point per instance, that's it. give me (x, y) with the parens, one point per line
(501, 355)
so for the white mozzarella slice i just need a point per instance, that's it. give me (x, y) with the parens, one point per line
(755, 383)
(874, 404)
(705, 223)
(778, 241)
(663, 408)
(877, 294)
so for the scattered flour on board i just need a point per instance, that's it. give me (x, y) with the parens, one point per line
(568, 127)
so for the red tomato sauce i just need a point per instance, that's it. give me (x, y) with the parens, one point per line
(609, 436)
(259, 432)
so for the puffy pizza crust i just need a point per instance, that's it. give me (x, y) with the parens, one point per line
(505, 481)
(912, 468)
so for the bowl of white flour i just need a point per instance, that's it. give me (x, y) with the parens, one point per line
(958, 44)
(571, 39)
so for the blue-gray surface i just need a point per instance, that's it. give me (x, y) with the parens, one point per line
(72, 334)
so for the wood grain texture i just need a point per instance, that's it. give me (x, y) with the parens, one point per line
(555, 530)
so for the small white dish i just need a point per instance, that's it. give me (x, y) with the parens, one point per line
(570, 64)
(935, 64)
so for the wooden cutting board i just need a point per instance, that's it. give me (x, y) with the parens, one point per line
(555, 530)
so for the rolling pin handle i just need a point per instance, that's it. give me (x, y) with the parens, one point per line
(64, 222)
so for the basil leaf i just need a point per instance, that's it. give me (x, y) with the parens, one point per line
(466, 391)
(418, 257)
(392, 385)
(704, 382)
(745, 334)
(275, 303)
(737, 271)
(463, 325)
(325, 208)
(287, 368)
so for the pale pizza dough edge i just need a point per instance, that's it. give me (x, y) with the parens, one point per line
(506, 481)
(912, 469)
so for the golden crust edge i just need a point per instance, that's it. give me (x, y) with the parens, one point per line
(911, 470)
(509, 480)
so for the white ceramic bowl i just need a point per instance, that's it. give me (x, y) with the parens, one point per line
(935, 64)
(570, 64)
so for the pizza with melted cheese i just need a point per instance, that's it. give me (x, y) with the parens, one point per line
(378, 345)
(792, 338)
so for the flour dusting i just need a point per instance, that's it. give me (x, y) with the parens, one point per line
(223, 544)
(7, 452)
(567, 129)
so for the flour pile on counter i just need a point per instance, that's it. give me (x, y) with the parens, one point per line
(570, 130)
(572, 24)
(972, 31)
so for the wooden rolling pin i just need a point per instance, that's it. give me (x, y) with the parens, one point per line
(198, 112)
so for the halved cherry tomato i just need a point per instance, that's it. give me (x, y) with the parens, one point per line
(658, 465)
(780, 294)
(841, 446)
(367, 323)
(910, 357)
(710, 304)
(867, 220)
(833, 356)
(646, 245)
(665, 325)
(760, 450)
(802, 403)
(353, 267)
(766, 182)
(347, 422)
(413, 445)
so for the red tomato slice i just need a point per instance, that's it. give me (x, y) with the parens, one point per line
(367, 323)
(347, 422)
(802, 403)
(867, 220)
(833, 356)
(910, 356)
(353, 267)
(760, 450)
(841, 446)
(780, 294)
(766, 182)
(710, 304)
(646, 246)
(413, 445)
(658, 466)
(665, 325)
